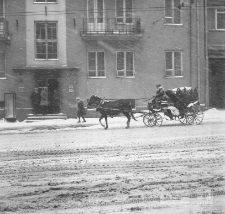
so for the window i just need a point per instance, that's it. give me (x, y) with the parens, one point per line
(2, 104)
(173, 63)
(46, 40)
(220, 19)
(96, 64)
(125, 64)
(124, 11)
(96, 15)
(2, 26)
(43, 1)
(172, 12)
(2, 64)
(1, 8)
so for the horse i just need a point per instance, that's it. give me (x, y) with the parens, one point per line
(111, 108)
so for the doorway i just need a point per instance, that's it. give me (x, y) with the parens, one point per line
(53, 98)
(217, 83)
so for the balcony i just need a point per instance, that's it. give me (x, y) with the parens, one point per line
(111, 29)
(4, 30)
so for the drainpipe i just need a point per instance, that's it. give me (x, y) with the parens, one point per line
(197, 48)
(190, 36)
(206, 56)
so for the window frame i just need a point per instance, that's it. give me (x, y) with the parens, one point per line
(125, 64)
(45, 2)
(173, 14)
(124, 13)
(216, 19)
(3, 9)
(96, 64)
(46, 40)
(4, 61)
(173, 64)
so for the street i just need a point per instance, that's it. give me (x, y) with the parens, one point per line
(169, 169)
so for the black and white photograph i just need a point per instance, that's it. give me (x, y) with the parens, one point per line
(112, 106)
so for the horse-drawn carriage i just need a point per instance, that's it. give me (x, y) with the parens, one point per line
(182, 104)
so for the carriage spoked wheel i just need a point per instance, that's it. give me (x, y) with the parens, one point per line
(194, 116)
(148, 120)
(183, 119)
(153, 119)
(158, 119)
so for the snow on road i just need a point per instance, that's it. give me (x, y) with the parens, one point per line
(174, 168)
(211, 115)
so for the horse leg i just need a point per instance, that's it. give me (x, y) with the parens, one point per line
(101, 121)
(106, 122)
(128, 119)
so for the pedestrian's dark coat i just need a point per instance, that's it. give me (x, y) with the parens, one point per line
(81, 110)
(35, 98)
(44, 97)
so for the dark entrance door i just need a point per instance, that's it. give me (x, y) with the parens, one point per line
(217, 83)
(53, 97)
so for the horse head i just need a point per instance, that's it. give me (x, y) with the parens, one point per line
(94, 101)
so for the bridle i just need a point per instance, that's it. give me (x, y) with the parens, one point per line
(97, 102)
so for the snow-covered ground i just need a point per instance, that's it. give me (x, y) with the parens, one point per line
(174, 168)
(212, 115)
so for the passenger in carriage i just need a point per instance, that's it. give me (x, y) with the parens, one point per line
(160, 96)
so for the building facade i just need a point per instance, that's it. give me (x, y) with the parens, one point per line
(110, 48)
(216, 52)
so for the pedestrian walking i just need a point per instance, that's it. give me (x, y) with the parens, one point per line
(56, 102)
(35, 98)
(80, 110)
(44, 100)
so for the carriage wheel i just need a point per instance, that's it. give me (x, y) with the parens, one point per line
(148, 120)
(183, 119)
(158, 119)
(195, 116)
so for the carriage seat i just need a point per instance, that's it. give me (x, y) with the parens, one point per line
(162, 104)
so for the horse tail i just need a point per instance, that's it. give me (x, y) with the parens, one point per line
(132, 115)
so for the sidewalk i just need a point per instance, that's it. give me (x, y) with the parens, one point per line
(211, 115)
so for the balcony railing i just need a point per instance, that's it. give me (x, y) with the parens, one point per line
(4, 29)
(111, 28)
